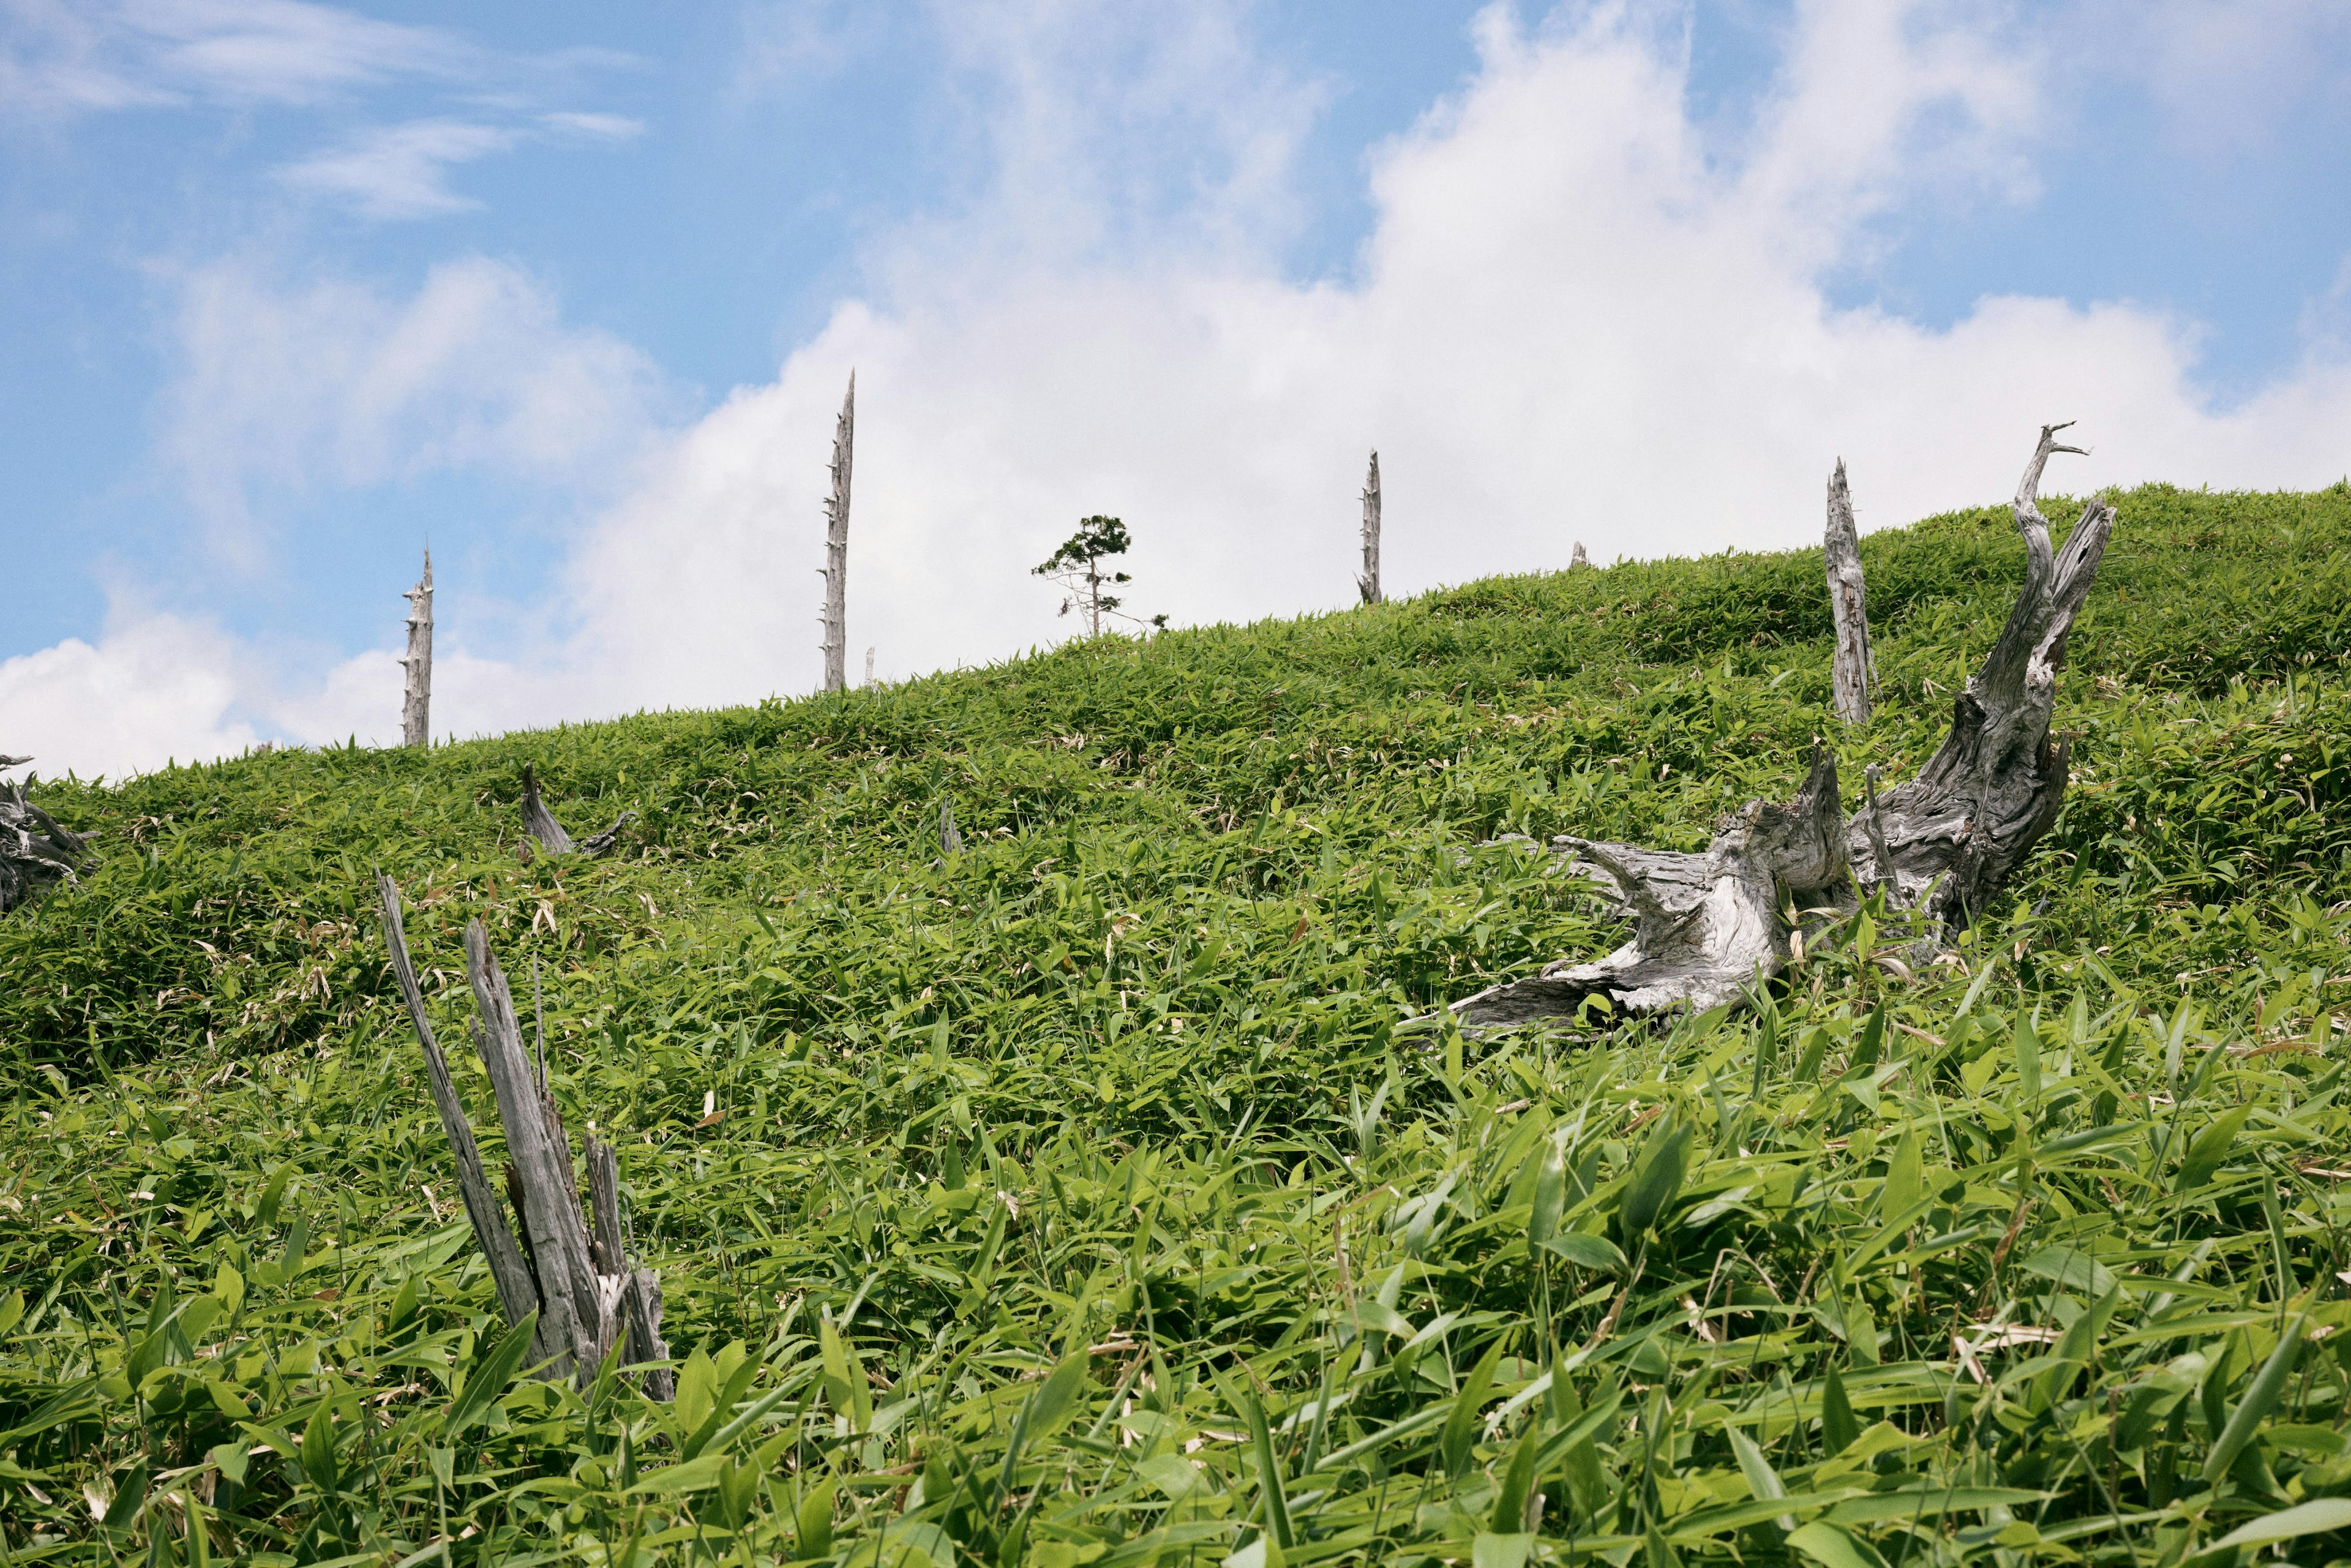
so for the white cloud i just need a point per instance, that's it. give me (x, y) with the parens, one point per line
(59, 58)
(157, 688)
(291, 389)
(400, 171)
(1572, 320)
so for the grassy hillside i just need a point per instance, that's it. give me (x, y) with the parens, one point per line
(1117, 1090)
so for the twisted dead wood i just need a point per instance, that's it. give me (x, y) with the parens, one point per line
(35, 853)
(587, 1296)
(542, 824)
(1368, 583)
(1708, 929)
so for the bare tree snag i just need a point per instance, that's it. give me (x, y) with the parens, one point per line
(1579, 559)
(835, 571)
(1368, 584)
(586, 1295)
(1855, 671)
(416, 703)
(1955, 833)
(542, 824)
(950, 841)
(35, 853)
(1709, 928)
(869, 669)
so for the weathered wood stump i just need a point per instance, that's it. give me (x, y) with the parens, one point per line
(1709, 929)
(588, 1297)
(35, 853)
(552, 839)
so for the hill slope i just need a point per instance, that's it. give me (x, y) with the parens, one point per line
(1122, 1074)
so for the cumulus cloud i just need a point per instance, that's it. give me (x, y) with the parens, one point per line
(285, 389)
(158, 687)
(1575, 319)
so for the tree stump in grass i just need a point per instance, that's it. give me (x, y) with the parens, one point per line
(542, 824)
(587, 1296)
(35, 853)
(1711, 928)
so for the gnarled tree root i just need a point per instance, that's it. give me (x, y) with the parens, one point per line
(1709, 929)
(35, 853)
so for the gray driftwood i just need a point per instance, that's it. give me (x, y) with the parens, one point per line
(416, 702)
(1854, 671)
(1709, 928)
(587, 1296)
(1368, 584)
(552, 839)
(35, 853)
(835, 571)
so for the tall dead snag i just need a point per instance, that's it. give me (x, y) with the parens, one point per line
(1709, 928)
(1579, 559)
(587, 1297)
(35, 853)
(542, 824)
(1855, 671)
(1368, 584)
(835, 571)
(416, 703)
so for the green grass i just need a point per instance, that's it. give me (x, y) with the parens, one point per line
(1076, 1199)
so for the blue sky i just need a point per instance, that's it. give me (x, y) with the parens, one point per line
(291, 288)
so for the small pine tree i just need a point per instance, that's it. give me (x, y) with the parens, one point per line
(1077, 566)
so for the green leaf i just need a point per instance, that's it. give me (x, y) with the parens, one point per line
(1550, 1198)
(1174, 1476)
(1838, 1428)
(2260, 1399)
(1268, 1477)
(1657, 1176)
(2309, 1518)
(1834, 1546)
(12, 1310)
(1902, 1178)
(2211, 1147)
(489, 1379)
(2028, 1059)
(130, 1496)
(1588, 1251)
(1496, 1549)
(1762, 1480)
(1461, 1425)
(812, 1521)
(692, 1476)
(1510, 1499)
(318, 1450)
(2070, 1270)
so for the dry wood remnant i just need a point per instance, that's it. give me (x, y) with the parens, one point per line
(542, 824)
(1368, 584)
(35, 853)
(1855, 670)
(835, 571)
(1709, 928)
(587, 1297)
(416, 703)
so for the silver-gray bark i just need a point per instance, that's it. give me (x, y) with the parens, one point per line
(35, 853)
(1854, 671)
(552, 839)
(836, 545)
(1708, 928)
(416, 702)
(1368, 583)
(1579, 559)
(587, 1296)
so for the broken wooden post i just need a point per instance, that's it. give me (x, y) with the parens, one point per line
(1707, 927)
(416, 703)
(586, 1296)
(835, 571)
(1855, 670)
(542, 824)
(35, 853)
(1368, 584)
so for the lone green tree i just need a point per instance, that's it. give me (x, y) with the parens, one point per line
(1077, 566)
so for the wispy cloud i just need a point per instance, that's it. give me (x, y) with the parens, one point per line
(400, 171)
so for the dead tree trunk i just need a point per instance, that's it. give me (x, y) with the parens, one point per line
(1368, 584)
(836, 546)
(35, 853)
(416, 704)
(1855, 671)
(542, 824)
(1709, 928)
(1579, 559)
(586, 1295)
